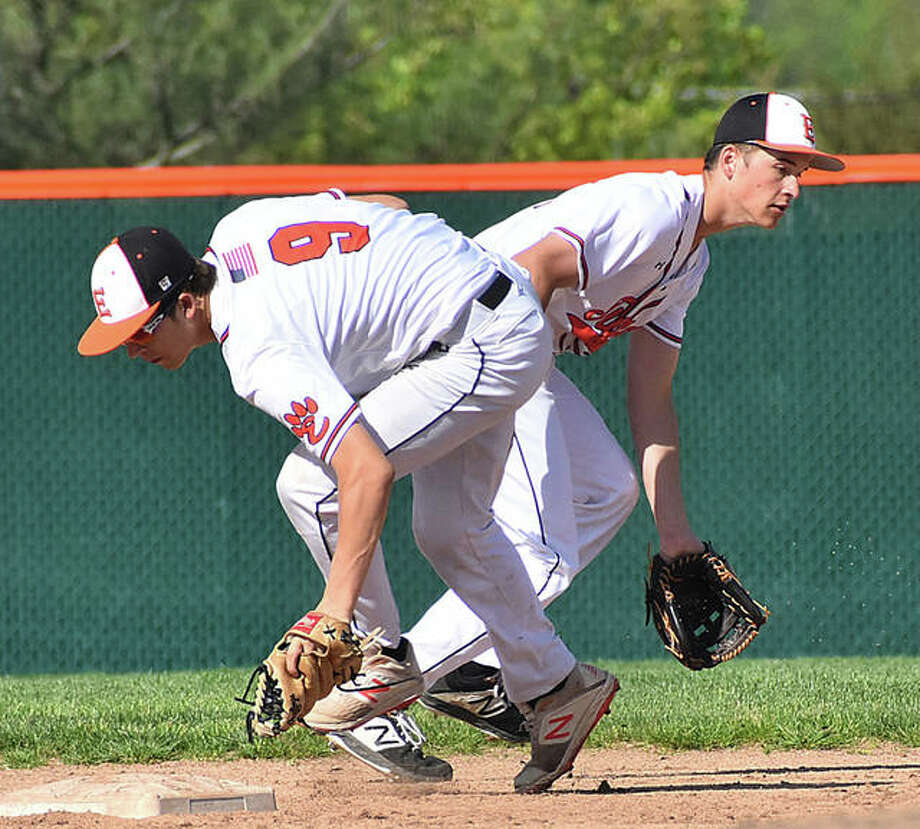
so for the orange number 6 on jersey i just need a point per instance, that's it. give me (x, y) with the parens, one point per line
(310, 240)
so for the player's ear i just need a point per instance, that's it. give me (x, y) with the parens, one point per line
(188, 305)
(729, 159)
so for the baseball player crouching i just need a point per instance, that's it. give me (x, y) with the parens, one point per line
(624, 255)
(388, 344)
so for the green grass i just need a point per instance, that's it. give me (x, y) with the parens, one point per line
(776, 704)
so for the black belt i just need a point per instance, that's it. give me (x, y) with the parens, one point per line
(498, 289)
(491, 297)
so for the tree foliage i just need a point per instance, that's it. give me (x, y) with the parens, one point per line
(530, 79)
(855, 63)
(128, 82)
(115, 82)
(124, 82)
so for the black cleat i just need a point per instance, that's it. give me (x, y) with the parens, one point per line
(476, 695)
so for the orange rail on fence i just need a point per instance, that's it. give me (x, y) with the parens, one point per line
(156, 182)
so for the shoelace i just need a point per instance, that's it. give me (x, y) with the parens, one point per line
(498, 691)
(407, 729)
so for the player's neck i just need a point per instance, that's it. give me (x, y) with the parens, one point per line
(197, 311)
(718, 214)
(207, 333)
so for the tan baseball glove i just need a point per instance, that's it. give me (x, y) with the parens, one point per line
(282, 700)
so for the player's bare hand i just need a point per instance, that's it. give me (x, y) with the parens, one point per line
(296, 649)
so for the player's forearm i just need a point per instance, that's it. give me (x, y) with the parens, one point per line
(655, 435)
(653, 418)
(661, 479)
(365, 478)
(362, 511)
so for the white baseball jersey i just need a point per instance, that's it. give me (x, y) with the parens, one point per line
(323, 301)
(319, 298)
(633, 234)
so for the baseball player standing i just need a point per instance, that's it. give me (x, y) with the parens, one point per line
(622, 255)
(388, 344)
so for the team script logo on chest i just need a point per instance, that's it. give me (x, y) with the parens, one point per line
(598, 326)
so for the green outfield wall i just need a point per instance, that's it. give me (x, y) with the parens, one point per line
(140, 524)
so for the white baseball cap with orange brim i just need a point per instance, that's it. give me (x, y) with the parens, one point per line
(135, 281)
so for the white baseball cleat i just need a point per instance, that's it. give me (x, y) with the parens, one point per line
(393, 744)
(560, 722)
(389, 678)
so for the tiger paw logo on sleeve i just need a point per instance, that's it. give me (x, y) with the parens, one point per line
(302, 420)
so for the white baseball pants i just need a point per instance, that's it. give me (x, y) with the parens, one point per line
(448, 420)
(568, 487)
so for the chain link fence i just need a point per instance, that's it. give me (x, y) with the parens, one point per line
(141, 529)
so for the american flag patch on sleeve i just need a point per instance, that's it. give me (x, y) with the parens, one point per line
(241, 262)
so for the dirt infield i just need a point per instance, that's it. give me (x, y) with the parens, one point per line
(620, 787)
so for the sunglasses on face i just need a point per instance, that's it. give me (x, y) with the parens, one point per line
(145, 333)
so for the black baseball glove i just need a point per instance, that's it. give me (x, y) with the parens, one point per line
(701, 610)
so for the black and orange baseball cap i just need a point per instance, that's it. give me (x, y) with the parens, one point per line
(135, 281)
(775, 122)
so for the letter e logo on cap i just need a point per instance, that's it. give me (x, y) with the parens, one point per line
(99, 299)
(809, 128)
